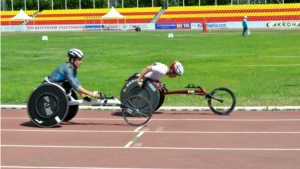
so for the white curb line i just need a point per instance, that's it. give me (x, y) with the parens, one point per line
(259, 108)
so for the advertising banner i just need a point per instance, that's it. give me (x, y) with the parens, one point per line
(13, 28)
(131, 26)
(165, 26)
(54, 27)
(119, 26)
(183, 26)
(283, 24)
(93, 26)
(217, 25)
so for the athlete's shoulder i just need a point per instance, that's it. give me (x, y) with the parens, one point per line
(159, 64)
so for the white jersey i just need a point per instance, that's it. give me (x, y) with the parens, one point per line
(158, 71)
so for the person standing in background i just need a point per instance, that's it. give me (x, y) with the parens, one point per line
(204, 25)
(245, 26)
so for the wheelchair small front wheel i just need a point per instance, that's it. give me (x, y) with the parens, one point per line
(221, 101)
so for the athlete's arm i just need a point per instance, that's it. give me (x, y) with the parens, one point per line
(77, 86)
(143, 73)
(83, 92)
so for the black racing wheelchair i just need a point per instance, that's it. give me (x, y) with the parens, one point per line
(221, 100)
(49, 105)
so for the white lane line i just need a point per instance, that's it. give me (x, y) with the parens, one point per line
(24, 167)
(137, 129)
(89, 119)
(237, 120)
(133, 140)
(160, 129)
(156, 148)
(156, 132)
(173, 108)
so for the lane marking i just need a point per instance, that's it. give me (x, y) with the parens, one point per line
(173, 108)
(100, 119)
(67, 167)
(156, 132)
(154, 148)
(137, 129)
(145, 129)
(134, 139)
(138, 145)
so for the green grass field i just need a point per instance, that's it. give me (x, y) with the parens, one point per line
(261, 69)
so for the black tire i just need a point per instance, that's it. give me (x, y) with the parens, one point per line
(161, 101)
(221, 101)
(137, 110)
(72, 109)
(148, 90)
(47, 105)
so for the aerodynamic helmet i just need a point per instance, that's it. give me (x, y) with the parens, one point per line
(178, 67)
(75, 53)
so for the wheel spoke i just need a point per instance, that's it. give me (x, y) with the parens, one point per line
(137, 111)
(222, 101)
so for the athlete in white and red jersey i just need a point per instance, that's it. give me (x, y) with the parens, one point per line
(157, 70)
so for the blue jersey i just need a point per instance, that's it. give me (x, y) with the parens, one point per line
(64, 72)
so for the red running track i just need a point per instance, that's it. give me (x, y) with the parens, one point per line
(172, 139)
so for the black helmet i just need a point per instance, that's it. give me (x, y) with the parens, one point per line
(75, 53)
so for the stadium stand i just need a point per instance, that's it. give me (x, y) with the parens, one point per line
(6, 15)
(187, 14)
(93, 16)
(232, 13)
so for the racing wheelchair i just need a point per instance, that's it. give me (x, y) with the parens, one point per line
(49, 105)
(221, 100)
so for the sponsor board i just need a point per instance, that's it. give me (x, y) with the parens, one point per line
(165, 26)
(283, 24)
(118, 26)
(93, 26)
(13, 28)
(41, 28)
(111, 26)
(183, 26)
(54, 27)
(220, 25)
(150, 26)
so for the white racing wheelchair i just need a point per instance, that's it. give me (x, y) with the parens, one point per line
(49, 105)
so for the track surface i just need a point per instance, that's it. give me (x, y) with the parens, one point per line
(172, 139)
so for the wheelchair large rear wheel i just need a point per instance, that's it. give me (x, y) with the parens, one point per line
(72, 109)
(137, 110)
(148, 90)
(47, 105)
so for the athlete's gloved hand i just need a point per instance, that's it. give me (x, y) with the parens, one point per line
(97, 94)
(140, 83)
(102, 95)
(87, 98)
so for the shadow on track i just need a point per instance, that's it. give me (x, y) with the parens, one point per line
(31, 124)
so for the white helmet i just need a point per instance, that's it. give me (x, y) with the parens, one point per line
(75, 53)
(178, 67)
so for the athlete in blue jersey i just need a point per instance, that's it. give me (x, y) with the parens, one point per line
(66, 75)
